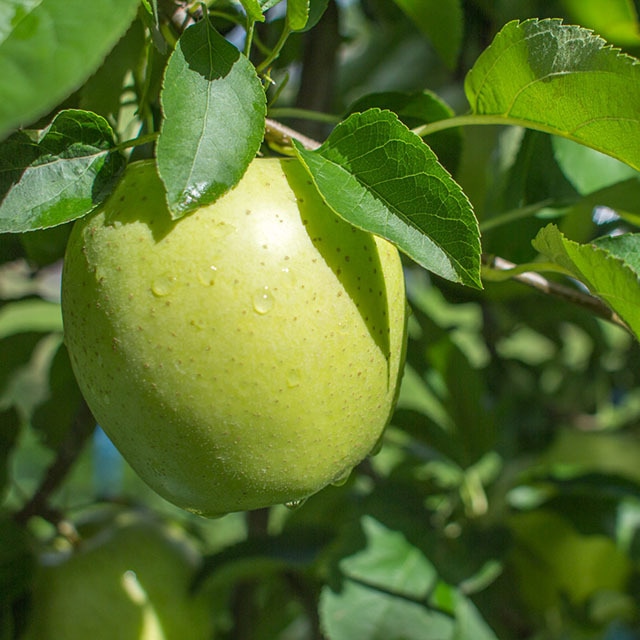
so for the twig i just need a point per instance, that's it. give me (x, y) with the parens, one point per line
(539, 282)
(283, 135)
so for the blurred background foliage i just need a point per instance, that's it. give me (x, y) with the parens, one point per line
(505, 500)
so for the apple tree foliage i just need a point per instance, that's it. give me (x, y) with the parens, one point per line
(498, 146)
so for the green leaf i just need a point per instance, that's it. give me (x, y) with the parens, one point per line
(441, 21)
(48, 48)
(29, 315)
(615, 20)
(214, 113)
(379, 176)
(254, 10)
(552, 560)
(589, 170)
(414, 109)
(390, 580)
(399, 589)
(303, 15)
(58, 174)
(297, 14)
(626, 247)
(54, 416)
(563, 80)
(605, 274)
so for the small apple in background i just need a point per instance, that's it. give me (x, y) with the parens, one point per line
(130, 581)
(246, 355)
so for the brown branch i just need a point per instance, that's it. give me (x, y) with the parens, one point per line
(539, 282)
(282, 135)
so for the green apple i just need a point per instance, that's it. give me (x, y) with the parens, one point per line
(245, 355)
(130, 581)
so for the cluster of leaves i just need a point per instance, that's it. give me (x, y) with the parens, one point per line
(505, 502)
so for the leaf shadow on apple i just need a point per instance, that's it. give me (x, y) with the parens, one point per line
(359, 272)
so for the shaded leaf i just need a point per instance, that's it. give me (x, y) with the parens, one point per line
(606, 275)
(398, 589)
(379, 176)
(441, 21)
(561, 79)
(553, 560)
(53, 417)
(214, 112)
(58, 174)
(390, 580)
(49, 48)
(589, 170)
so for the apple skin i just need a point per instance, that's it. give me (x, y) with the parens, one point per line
(130, 581)
(246, 355)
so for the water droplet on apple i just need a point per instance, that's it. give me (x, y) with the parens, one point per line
(263, 301)
(163, 285)
(293, 378)
(207, 275)
(341, 478)
(295, 504)
(375, 450)
(222, 229)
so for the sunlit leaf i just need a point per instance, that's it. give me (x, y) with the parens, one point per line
(58, 174)
(253, 9)
(214, 111)
(379, 176)
(605, 274)
(561, 79)
(49, 47)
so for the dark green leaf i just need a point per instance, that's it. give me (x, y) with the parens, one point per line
(58, 174)
(605, 274)
(48, 48)
(390, 580)
(441, 21)
(561, 79)
(54, 416)
(16, 560)
(9, 431)
(626, 247)
(414, 109)
(214, 112)
(379, 176)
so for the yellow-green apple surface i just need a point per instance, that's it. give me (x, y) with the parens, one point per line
(245, 355)
(131, 581)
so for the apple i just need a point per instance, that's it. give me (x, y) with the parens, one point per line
(246, 355)
(130, 581)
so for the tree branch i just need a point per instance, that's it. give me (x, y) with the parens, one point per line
(539, 282)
